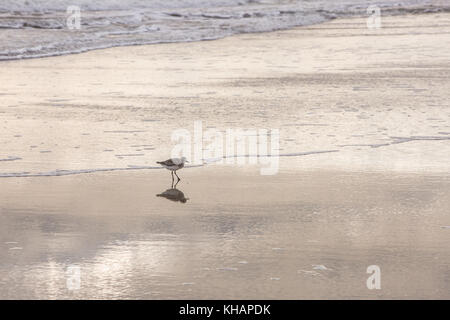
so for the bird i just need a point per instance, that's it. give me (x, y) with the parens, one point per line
(173, 165)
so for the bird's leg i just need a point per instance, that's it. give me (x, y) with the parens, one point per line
(177, 175)
(172, 178)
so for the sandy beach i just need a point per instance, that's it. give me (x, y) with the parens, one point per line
(363, 179)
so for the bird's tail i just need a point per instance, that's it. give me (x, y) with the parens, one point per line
(158, 162)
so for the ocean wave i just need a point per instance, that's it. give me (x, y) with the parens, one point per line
(38, 28)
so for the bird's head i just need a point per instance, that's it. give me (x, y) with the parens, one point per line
(183, 159)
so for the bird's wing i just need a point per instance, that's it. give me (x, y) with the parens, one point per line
(167, 163)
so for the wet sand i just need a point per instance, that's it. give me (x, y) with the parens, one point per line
(377, 98)
(239, 235)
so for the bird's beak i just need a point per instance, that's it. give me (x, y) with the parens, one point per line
(187, 161)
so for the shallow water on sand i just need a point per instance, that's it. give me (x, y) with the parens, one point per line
(375, 97)
(238, 235)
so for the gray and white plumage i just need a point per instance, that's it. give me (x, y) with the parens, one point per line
(173, 164)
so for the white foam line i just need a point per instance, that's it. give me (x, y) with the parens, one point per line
(11, 159)
(58, 173)
(418, 138)
(295, 154)
(397, 140)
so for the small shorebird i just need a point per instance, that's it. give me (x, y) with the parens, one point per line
(173, 165)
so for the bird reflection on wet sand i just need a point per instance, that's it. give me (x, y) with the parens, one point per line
(174, 194)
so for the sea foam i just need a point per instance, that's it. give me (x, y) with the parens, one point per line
(38, 28)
